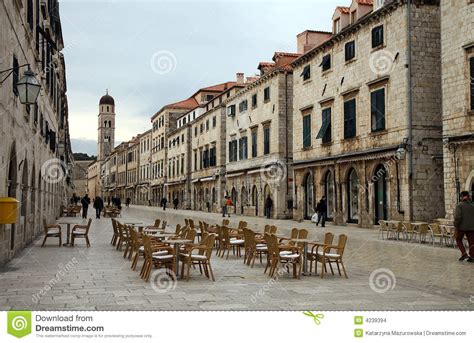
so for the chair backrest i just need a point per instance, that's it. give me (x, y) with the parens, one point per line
(249, 238)
(191, 223)
(341, 244)
(114, 226)
(435, 229)
(302, 234)
(147, 251)
(219, 233)
(89, 222)
(294, 233)
(225, 234)
(383, 224)
(225, 222)
(273, 229)
(423, 228)
(328, 238)
(272, 245)
(190, 234)
(163, 224)
(408, 226)
(210, 241)
(186, 221)
(157, 223)
(134, 238)
(178, 229)
(242, 225)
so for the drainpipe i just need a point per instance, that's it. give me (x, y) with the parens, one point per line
(410, 110)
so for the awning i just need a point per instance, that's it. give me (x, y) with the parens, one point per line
(174, 183)
(210, 178)
(129, 187)
(233, 175)
(196, 180)
(256, 171)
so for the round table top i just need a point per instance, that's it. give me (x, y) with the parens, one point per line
(301, 240)
(179, 241)
(162, 235)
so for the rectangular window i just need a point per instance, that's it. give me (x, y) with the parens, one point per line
(325, 131)
(243, 150)
(266, 140)
(350, 50)
(326, 62)
(377, 105)
(195, 160)
(377, 36)
(306, 74)
(212, 153)
(207, 125)
(350, 119)
(231, 110)
(254, 143)
(233, 151)
(472, 82)
(214, 121)
(266, 94)
(307, 131)
(243, 106)
(15, 75)
(254, 100)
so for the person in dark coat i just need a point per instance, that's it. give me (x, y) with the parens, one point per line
(118, 203)
(321, 209)
(128, 201)
(99, 206)
(268, 206)
(163, 203)
(175, 203)
(464, 224)
(85, 201)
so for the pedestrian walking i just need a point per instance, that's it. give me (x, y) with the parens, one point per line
(85, 201)
(118, 203)
(128, 201)
(229, 204)
(321, 210)
(175, 203)
(268, 206)
(99, 206)
(464, 224)
(163, 203)
(224, 206)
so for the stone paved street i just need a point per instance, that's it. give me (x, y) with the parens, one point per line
(426, 277)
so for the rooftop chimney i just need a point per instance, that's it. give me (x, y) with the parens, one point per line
(240, 78)
(308, 39)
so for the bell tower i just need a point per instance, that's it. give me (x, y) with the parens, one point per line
(106, 126)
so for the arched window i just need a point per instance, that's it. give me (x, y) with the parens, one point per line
(254, 196)
(329, 193)
(353, 197)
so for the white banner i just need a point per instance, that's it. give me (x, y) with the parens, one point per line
(228, 327)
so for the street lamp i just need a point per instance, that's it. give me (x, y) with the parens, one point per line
(28, 86)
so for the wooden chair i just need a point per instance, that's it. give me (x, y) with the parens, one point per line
(278, 254)
(293, 235)
(122, 235)
(408, 231)
(137, 242)
(383, 228)
(252, 249)
(158, 256)
(312, 254)
(116, 234)
(332, 254)
(422, 232)
(81, 231)
(52, 230)
(225, 222)
(242, 225)
(202, 257)
(163, 225)
(229, 243)
(436, 232)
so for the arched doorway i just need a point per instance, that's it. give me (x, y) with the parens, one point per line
(330, 194)
(255, 199)
(234, 197)
(380, 193)
(308, 196)
(353, 197)
(243, 199)
(266, 193)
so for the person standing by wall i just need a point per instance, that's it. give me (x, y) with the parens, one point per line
(268, 206)
(85, 201)
(224, 206)
(229, 204)
(464, 224)
(321, 209)
(163, 203)
(175, 203)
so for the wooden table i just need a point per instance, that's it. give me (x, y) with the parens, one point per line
(177, 243)
(305, 242)
(67, 222)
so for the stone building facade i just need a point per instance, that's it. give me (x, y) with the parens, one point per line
(365, 134)
(208, 152)
(457, 58)
(259, 153)
(144, 166)
(35, 154)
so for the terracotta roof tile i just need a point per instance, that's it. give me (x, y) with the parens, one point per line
(342, 9)
(184, 104)
(365, 2)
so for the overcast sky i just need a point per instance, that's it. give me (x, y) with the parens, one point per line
(150, 53)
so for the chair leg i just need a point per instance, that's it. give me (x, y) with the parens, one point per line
(208, 263)
(88, 242)
(44, 240)
(60, 239)
(338, 269)
(343, 269)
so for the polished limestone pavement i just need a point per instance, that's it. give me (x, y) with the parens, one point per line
(383, 275)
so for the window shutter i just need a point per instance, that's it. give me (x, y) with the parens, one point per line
(15, 75)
